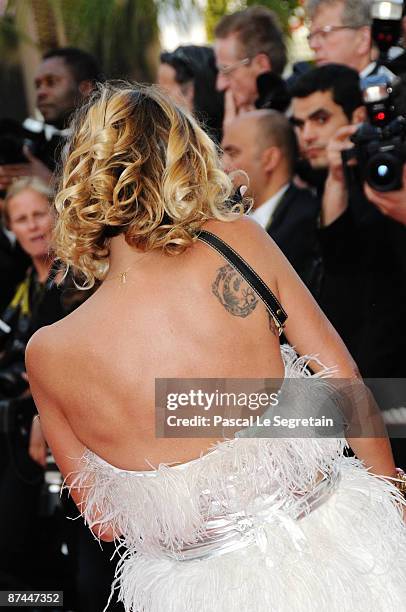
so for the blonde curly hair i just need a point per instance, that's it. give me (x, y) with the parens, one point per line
(135, 164)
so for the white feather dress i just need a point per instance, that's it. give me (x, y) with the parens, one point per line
(253, 527)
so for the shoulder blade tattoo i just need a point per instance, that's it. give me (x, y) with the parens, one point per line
(233, 292)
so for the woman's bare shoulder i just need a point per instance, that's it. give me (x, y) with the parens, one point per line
(242, 231)
(252, 243)
(48, 347)
(240, 225)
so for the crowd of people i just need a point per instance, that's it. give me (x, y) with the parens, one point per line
(287, 137)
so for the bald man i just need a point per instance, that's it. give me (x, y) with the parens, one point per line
(263, 144)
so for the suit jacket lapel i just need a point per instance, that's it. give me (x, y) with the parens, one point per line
(281, 207)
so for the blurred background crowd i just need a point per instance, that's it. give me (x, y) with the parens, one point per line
(306, 102)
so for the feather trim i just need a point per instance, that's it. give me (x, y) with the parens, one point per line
(347, 554)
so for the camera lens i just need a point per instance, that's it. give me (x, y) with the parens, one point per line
(384, 172)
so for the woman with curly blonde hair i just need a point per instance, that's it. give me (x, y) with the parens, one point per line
(135, 163)
(191, 288)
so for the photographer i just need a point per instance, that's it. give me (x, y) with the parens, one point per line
(370, 248)
(38, 301)
(323, 100)
(28, 557)
(377, 250)
(63, 80)
(364, 277)
(363, 285)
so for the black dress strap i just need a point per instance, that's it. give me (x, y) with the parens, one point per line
(250, 276)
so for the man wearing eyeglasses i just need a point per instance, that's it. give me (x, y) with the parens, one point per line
(248, 44)
(340, 33)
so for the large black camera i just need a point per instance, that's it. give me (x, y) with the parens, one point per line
(13, 137)
(12, 368)
(380, 147)
(16, 411)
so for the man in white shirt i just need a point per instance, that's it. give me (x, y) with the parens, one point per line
(262, 144)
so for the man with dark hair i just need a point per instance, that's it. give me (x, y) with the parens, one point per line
(363, 288)
(323, 100)
(364, 277)
(248, 44)
(343, 83)
(64, 79)
(83, 65)
(262, 144)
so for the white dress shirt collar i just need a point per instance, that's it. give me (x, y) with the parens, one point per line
(367, 70)
(372, 68)
(263, 213)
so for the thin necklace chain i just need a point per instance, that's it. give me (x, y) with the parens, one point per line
(123, 275)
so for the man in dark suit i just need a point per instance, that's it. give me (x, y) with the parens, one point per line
(262, 144)
(364, 282)
(363, 290)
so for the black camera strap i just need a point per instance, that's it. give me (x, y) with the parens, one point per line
(249, 275)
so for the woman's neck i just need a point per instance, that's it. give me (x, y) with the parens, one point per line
(122, 255)
(42, 267)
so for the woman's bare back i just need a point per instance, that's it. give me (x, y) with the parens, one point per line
(187, 316)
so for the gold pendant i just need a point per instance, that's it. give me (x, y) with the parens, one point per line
(123, 278)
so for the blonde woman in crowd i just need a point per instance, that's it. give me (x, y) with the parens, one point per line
(202, 524)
